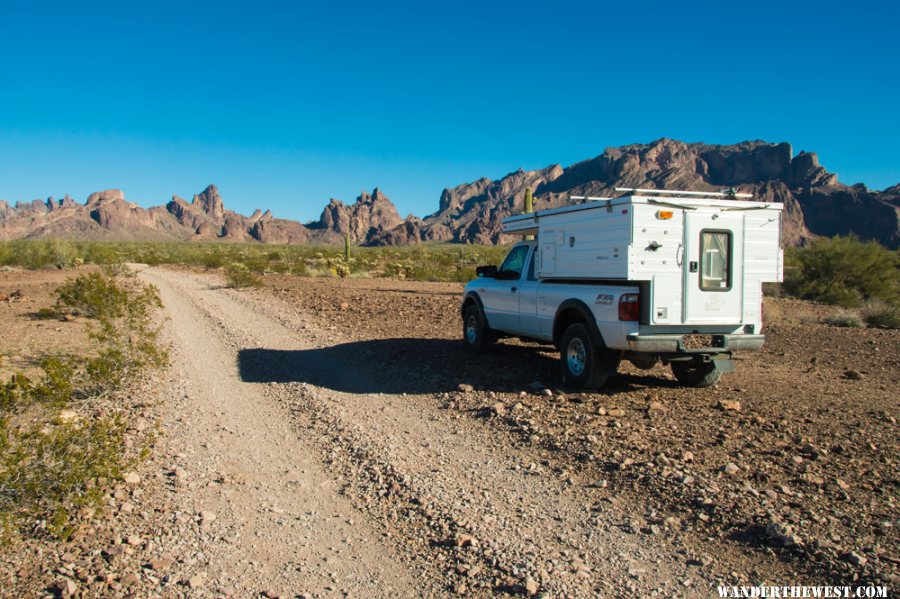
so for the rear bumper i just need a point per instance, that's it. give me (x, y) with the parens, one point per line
(675, 343)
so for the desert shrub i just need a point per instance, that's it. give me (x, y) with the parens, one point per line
(213, 260)
(772, 290)
(299, 268)
(101, 253)
(238, 276)
(49, 471)
(883, 316)
(65, 458)
(845, 271)
(123, 325)
(95, 295)
(844, 319)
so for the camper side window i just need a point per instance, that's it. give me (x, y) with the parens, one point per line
(715, 260)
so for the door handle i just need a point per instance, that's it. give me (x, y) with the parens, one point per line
(513, 289)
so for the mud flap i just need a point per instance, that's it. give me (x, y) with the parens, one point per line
(723, 364)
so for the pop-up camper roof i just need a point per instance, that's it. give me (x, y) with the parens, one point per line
(527, 224)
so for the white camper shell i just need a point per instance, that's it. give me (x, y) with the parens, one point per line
(647, 277)
(705, 259)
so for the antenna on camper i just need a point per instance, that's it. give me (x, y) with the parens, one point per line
(730, 193)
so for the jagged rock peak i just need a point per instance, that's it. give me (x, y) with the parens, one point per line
(210, 202)
(107, 195)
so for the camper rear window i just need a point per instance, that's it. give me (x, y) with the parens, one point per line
(715, 260)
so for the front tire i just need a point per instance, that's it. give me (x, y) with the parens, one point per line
(477, 337)
(580, 359)
(696, 374)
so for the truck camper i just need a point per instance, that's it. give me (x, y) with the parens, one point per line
(649, 276)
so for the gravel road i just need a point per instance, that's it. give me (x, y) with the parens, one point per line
(316, 479)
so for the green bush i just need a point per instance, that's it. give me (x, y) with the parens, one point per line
(885, 316)
(49, 471)
(64, 459)
(844, 319)
(95, 295)
(123, 325)
(238, 276)
(844, 271)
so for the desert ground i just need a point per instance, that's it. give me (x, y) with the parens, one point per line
(327, 437)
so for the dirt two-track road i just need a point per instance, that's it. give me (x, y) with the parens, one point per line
(293, 464)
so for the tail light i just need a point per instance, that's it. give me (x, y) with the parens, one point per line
(629, 306)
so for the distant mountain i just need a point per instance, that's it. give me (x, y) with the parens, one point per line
(107, 215)
(815, 203)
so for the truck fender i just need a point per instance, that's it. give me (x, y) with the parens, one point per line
(472, 298)
(573, 310)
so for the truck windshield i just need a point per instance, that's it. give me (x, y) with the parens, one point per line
(515, 261)
(715, 260)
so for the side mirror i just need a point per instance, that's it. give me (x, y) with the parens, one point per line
(486, 272)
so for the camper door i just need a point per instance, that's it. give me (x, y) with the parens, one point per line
(713, 267)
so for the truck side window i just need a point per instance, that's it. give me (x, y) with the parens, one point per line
(715, 260)
(515, 262)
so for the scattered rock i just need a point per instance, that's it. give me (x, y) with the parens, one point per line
(855, 558)
(731, 468)
(163, 562)
(782, 534)
(730, 405)
(656, 408)
(132, 478)
(853, 375)
(531, 586)
(66, 587)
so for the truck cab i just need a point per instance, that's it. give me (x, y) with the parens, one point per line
(510, 297)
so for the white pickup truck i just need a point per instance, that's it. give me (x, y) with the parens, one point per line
(647, 277)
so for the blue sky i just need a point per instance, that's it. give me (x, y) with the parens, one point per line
(287, 104)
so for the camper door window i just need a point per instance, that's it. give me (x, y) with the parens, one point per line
(715, 260)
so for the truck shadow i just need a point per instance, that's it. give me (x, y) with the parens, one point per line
(416, 366)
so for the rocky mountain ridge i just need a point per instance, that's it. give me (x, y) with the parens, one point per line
(815, 202)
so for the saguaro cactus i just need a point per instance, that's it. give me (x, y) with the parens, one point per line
(347, 247)
(529, 206)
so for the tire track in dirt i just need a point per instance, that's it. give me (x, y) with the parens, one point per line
(274, 518)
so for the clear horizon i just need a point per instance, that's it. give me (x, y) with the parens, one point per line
(286, 106)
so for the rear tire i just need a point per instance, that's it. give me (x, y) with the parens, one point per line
(580, 359)
(696, 374)
(477, 337)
